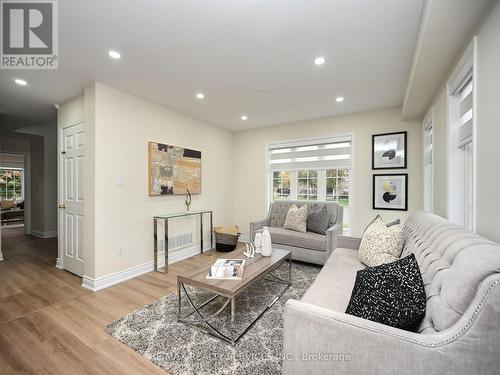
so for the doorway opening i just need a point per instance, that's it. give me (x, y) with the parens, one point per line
(12, 190)
(28, 189)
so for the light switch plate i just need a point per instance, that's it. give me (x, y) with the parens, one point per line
(120, 180)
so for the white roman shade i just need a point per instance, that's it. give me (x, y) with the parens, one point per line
(466, 113)
(12, 161)
(314, 154)
(462, 88)
(428, 144)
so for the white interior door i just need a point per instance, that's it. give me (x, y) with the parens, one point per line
(73, 157)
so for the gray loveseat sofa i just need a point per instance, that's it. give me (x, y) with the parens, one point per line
(308, 247)
(460, 333)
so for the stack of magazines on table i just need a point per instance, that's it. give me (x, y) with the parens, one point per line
(226, 269)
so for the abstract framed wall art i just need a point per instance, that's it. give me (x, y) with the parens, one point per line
(390, 192)
(173, 170)
(389, 151)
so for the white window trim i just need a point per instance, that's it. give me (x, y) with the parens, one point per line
(426, 126)
(293, 186)
(466, 64)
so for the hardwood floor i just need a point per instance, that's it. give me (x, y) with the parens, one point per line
(49, 324)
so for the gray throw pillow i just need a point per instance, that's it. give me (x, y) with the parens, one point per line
(395, 222)
(318, 221)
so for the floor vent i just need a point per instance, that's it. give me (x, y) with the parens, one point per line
(177, 242)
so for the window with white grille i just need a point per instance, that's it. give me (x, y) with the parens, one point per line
(12, 183)
(313, 170)
(461, 142)
(428, 167)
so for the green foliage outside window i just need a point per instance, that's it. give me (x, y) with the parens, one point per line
(337, 186)
(11, 184)
(307, 185)
(281, 185)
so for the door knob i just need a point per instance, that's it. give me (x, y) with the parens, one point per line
(62, 205)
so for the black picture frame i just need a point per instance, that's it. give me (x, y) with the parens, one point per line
(388, 207)
(405, 147)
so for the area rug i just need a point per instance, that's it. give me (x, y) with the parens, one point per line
(154, 332)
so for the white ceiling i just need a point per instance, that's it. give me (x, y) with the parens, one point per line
(252, 57)
(446, 27)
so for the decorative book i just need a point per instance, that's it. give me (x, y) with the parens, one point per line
(226, 269)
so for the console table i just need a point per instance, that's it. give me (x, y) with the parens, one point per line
(12, 215)
(166, 218)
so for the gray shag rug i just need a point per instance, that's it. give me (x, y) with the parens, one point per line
(154, 332)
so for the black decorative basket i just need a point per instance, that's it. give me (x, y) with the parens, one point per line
(226, 242)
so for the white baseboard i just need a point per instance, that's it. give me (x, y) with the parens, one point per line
(59, 263)
(129, 273)
(116, 278)
(44, 234)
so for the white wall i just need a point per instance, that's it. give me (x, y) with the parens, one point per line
(124, 124)
(71, 112)
(250, 173)
(50, 141)
(488, 128)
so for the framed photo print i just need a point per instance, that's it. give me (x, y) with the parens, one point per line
(389, 151)
(390, 192)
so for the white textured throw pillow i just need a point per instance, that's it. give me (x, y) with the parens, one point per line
(296, 219)
(381, 244)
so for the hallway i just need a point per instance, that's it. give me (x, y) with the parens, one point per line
(28, 279)
(49, 324)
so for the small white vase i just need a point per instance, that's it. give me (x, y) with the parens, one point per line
(267, 247)
(257, 242)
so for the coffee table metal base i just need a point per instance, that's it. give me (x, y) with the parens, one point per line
(209, 328)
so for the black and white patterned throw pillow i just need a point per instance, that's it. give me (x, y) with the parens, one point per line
(391, 294)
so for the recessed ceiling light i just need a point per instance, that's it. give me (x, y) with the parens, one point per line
(319, 60)
(114, 55)
(200, 95)
(244, 117)
(339, 99)
(21, 82)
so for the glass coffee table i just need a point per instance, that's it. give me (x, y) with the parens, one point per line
(256, 269)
